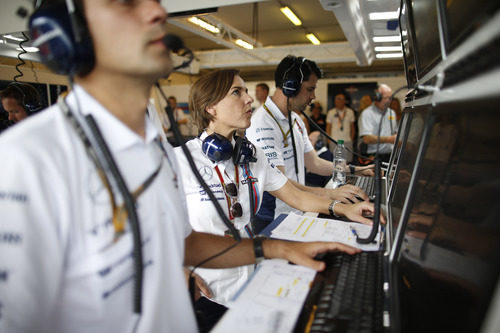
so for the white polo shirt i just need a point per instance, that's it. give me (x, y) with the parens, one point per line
(265, 133)
(369, 123)
(204, 217)
(60, 270)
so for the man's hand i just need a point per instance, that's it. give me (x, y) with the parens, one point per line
(347, 194)
(201, 286)
(303, 253)
(358, 212)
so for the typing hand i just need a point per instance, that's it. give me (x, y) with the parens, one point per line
(358, 212)
(348, 194)
(367, 170)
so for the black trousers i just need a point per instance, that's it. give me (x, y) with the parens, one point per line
(208, 313)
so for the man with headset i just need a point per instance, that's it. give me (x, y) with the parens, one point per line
(291, 151)
(378, 123)
(85, 172)
(20, 100)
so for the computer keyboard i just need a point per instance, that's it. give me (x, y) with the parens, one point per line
(346, 297)
(364, 182)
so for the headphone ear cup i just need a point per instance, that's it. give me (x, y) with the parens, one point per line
(291, 87)
(217, 148)
(377, 97)
(244, 152)
(52, 32)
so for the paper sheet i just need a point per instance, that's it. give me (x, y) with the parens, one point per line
(271, 301)
(306, 229)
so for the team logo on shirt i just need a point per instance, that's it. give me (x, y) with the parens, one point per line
(206, 172)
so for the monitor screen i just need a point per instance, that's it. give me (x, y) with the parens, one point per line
(463, 17)
(396, 152)
(407, 45)
(405, 166)
(424, 16)
(449, 261)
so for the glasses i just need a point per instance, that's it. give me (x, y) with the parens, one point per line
(232, 191)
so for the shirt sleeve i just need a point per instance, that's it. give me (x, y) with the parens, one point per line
(305, 138)
(329, 116)
(265, 134)
(32, 240)
(366, 124)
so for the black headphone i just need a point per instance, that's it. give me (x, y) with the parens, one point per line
(30, 101)
(291, 82)
(218, 148)
(61, 34)
(377, 96)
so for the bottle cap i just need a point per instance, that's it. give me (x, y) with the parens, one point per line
(340, 142)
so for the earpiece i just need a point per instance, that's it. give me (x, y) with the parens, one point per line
(30, 101)
(293, 77)
(60, 33)
(377, 96)
(218, 148)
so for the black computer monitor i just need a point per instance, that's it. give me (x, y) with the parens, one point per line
(392, 168)
(424, 22)
(406, 32)
(405, 168)
(449, 261)
(462, 17)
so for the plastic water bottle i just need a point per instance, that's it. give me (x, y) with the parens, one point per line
(339, 164)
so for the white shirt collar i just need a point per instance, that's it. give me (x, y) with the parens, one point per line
(116, 134)
(274, 109)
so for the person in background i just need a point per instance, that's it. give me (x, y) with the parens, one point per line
(270, 131)
(340, 125)
(261, 92)
(396, 106)
(378, 116)
(69, 246)
(317, 116)
(364, 102)
(221, 105)
(20, 100)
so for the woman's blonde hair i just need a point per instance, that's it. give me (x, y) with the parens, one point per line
(210, 89)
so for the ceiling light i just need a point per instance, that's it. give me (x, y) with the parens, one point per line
(387, 48)
(28, 49)
(17, 39)
(383, 15)
(204, 25)
(290, 15)
(388, 55)
(382, 39)
(313, 39)
(244, 44)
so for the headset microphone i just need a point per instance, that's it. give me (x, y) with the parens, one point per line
(176, 45)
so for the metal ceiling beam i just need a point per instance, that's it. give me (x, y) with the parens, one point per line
(324, 53)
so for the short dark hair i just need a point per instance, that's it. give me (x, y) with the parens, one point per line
(25, 94)
(308, 67)
(263, 86)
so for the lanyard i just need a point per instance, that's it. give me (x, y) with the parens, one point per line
(285, 135)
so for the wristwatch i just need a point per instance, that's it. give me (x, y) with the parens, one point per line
(332, 207)
(258, 250)
(352, 168)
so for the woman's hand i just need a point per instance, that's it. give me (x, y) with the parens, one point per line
(358, 212)
(347, 194)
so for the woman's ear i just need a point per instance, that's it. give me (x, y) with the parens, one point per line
(212, 110)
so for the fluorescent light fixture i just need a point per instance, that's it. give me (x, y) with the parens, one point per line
(388, 55)
(28, 49)
(387, 48)
(244, 44)
(204, 25)
(290, 15)
(383, 39)
(17, 39)
(313, 39)
(383, 16)
(1, 41)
